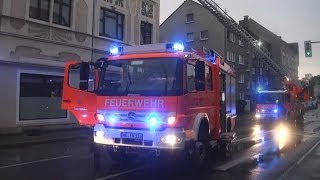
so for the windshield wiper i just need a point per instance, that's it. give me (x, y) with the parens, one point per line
(166, 75)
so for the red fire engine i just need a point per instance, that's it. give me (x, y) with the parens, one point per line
(153, 97)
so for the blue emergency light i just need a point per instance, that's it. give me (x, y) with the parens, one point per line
(153, 121)
(178, 46)
(161, 47)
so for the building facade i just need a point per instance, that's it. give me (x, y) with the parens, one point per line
(198, 28)
(285, 54)
(38, 36)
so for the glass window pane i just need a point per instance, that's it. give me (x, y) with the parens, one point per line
(110, 27)
(101, 27)
(67, 1)
(65, 15)
(34, 3)
(44, 12)
(120, 20)
(56, 12)
(208, 72)
(120, 36)
(40, 97)
(191, 75)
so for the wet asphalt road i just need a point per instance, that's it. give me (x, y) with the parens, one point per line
(73, 160)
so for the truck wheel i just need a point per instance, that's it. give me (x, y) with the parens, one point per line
(200, 154)
(100, 158)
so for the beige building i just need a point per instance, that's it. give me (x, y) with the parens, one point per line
(38, 36)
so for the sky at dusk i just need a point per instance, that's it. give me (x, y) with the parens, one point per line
(293, 20)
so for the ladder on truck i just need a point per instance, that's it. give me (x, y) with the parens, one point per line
(245, 36)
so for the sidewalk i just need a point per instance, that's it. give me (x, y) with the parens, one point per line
(40, 137)
(307, 167)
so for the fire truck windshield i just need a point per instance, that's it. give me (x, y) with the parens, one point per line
(142, 77)
(270, 98)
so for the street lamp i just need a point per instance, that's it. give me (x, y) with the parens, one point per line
(259, 43)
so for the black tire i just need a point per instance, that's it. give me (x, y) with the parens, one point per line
(200, 155)
(229, 124)
(100, 158)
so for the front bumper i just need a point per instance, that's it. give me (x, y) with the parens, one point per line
(264, 116)
(151, 139)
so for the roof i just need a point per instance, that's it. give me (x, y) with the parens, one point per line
(180, 7)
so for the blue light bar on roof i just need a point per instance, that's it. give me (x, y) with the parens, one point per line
(147, 48)
(114, 50)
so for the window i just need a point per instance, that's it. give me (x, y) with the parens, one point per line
(191, 78)
(241, 59)
(40, 97)
(240, 43)
(190, 37)
(204, 35)
(266, 80)
(241, 96)
(190, 18)
(146, 9)
(253, 71)
(231, 56)
(144, 77)
(248, 85)
(208, 72)
(241, 78)
(146, 33)
(111, 24)
(261, 72)
(39, 9)
(231, 37)
(253, 85)
(62, 12)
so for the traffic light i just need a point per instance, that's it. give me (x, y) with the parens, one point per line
(307, 49)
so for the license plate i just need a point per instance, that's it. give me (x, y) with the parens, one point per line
(130, 135)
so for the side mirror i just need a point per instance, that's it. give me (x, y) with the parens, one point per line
(200, 76)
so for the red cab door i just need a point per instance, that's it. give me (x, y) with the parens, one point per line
(78, 92)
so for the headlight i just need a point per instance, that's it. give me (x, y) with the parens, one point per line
(171, 120)
(99, 134)
(100, 117)
(170, 139)
(258, 116)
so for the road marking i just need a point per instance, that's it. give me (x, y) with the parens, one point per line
(234, 162)
(299, 161)
(37, 161)
(121, 173)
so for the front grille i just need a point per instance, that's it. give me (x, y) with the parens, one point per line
(132, 141)
(133, 116)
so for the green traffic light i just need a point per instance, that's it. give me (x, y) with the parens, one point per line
(308, 48)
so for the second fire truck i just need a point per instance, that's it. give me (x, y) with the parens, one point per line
(154, 98)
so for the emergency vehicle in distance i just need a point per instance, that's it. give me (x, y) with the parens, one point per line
(155, 98)
(284, 108)
(271, 104)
